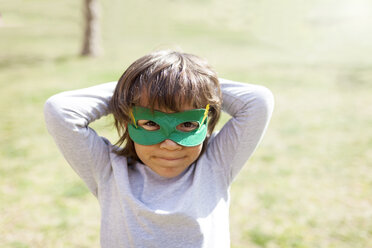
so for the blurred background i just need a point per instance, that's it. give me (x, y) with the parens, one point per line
(309, 184)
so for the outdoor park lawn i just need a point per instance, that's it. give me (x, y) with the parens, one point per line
(308, 185)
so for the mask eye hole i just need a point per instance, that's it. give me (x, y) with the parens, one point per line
(148, 125)
(188, 126)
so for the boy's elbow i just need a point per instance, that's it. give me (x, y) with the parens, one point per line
(50, 106)
(265, 100)
(52, 109)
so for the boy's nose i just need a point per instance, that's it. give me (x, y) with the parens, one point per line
(170, 145)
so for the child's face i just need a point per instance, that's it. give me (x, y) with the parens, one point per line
(167, 158)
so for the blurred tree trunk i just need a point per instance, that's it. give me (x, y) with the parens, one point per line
(91, 42)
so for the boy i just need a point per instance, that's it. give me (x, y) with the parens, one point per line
(166, 182)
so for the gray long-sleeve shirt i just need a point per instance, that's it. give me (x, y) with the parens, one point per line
(139, 208)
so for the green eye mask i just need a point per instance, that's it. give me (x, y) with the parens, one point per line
(166, 127)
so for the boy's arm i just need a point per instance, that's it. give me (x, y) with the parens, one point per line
(251, 108)
(67, 116)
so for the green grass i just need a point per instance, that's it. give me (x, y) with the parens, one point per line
(309, 183)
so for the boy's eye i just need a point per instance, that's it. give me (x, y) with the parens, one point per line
(188, 126)
(148, 125)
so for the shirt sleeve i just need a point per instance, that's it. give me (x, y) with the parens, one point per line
(250, 107)
(67, 116)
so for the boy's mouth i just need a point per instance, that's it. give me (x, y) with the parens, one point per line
(169, 158)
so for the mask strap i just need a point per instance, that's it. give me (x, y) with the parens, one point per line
(205, 115)
(133, 119)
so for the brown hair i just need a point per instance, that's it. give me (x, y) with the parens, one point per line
(169, 79)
